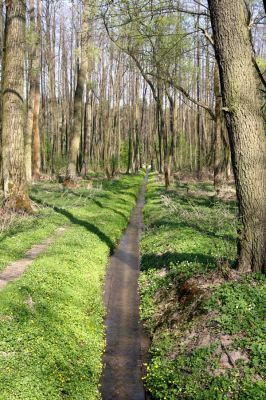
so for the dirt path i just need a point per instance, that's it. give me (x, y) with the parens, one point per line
(123, 357)
(14, 270)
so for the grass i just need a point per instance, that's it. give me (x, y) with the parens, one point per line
(51, 319)
(206, 321)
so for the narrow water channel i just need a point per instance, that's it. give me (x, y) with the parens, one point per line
(123, 357)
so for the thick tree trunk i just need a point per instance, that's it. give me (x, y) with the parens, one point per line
(1, 81)
(14, 177)
(246, 126)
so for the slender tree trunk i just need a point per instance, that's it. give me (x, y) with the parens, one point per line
(36, 147)
(199, 136)
(163, 137)
(246, 126)
(87, 132)
(36, 165)
(14, 177)
(31, 95)
(172, 124)
(218, 131)
(136, 125)
(78, 99)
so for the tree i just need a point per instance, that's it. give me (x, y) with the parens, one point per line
(31, 94)
(14, 177)
(242, 104)
(36, 157)
(78, 99)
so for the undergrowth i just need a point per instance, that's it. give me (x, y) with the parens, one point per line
(206, 321)
(51, 319)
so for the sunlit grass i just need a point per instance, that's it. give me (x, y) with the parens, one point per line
(51, 319)
(190, 244)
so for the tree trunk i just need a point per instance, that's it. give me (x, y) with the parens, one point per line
(31, 96)
(87, 132)
(246, 127)
(78, 99)
(36, 156)
(14, 177)
(218, 131)
(1, 81)
(199, 134)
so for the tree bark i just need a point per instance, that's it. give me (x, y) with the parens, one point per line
(218, 131)
(199, 133)
(36, 156)
(246, 126)
(31, 95)
(1, 81)
(14, 177)
(78, 99)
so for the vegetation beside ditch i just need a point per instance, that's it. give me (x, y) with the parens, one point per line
(205, 319)
(51, 319)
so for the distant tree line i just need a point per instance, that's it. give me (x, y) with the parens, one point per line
(112, 86)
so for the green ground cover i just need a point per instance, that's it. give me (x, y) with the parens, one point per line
(206, 321)
(51, 319)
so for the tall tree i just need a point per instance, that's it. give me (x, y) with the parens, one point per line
(242, 104)
(14, 177)
(36, 156)
(29, 120)
(78, 99)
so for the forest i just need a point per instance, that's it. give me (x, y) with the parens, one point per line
(132, 199)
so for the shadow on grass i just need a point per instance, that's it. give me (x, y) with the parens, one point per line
(74, 220)
(99, 204)
(124, 193)
(189, 224)
(158, 261)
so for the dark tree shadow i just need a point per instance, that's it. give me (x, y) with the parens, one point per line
(189, 224)
(99, 204)
(117, 212)
(87, 225)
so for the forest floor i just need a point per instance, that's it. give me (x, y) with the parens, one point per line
(51, 319)
(206, 320)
